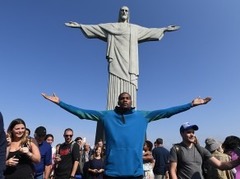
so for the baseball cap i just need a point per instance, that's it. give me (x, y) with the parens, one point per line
(212, 144)
(40, 131)
(185, 126)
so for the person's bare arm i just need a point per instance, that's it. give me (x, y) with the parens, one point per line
(173, 170)
(33, 154)
(224, 165)
(74, 169)
(47, 171)
(147, 156)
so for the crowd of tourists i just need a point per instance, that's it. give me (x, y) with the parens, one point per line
(36, 157)
(123, 154)
(29, 157)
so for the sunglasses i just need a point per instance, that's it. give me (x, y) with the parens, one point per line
(68, 135)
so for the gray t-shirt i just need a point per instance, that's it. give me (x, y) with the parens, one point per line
(189, 160)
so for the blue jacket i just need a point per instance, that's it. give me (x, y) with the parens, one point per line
(125, 134)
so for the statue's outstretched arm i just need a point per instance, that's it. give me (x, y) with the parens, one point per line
(73, 24)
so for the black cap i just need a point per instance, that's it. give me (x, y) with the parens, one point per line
(40, 131)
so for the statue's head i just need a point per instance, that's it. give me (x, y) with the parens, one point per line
(124, 14)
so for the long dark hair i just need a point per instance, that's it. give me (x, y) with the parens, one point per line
(149, 144)
(24, 138)
(49, 135)
(231, 143)
(95, 151)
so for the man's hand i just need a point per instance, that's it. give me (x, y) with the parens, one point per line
(200, 101)
(52, 98)
(73, 24)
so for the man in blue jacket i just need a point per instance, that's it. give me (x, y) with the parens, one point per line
(125, 130)
(3, 146)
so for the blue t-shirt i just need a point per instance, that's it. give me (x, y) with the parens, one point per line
(46, 157)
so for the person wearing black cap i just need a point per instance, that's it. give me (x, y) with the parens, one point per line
(43, 169)
(186, 158)
(161, 156)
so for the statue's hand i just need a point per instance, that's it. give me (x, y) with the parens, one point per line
(73, 24)
(173, 27)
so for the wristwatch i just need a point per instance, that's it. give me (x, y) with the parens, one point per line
(72, 177)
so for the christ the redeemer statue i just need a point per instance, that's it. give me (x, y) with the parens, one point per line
(122, 40)
(122, 51)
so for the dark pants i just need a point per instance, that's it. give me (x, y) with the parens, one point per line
(1, 175)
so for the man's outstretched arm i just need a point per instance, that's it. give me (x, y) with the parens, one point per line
(166, 113)
(81, 113)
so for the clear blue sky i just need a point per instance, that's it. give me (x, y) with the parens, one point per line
(39, 54)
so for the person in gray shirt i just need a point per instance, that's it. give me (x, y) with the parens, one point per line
(186, 158)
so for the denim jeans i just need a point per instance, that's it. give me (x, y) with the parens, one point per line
(38, 176)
